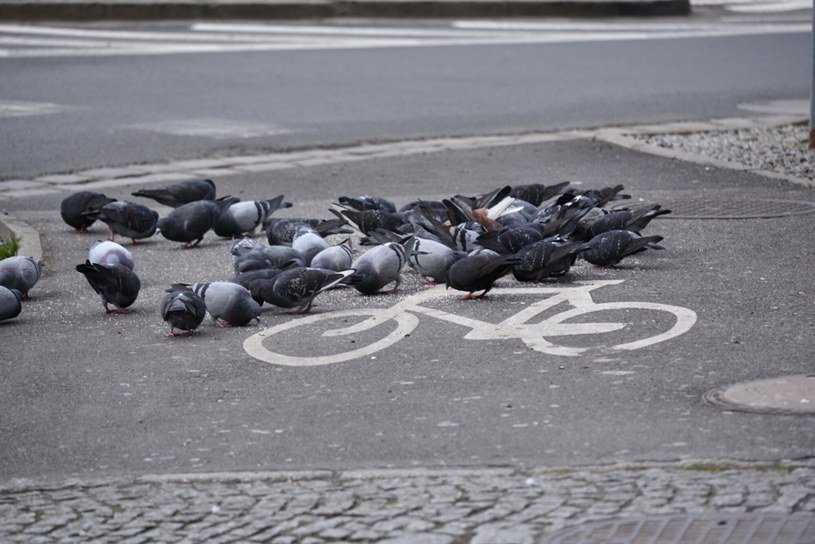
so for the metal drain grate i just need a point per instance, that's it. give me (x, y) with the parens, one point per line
(690, 529)
(735, 209)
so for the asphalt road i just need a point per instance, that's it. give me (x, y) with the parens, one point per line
(116, 105)
(89, 394)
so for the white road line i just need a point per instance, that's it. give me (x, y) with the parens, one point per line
(26, 41)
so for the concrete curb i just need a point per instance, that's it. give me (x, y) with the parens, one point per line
(320, 9)
(29, 243)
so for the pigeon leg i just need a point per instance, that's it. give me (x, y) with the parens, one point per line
(222, 324)
(431, 281)
(170, 333)
(116, 311)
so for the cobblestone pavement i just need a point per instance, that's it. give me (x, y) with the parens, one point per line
(428, 506)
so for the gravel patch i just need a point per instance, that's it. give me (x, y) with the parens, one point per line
(782, 149)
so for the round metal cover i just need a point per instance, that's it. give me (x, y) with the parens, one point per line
(694, 529)
(783, 395)
(712, 208)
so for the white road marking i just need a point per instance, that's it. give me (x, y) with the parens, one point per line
(217, 129)
(24, 41)
(19, 108)
(520, 326)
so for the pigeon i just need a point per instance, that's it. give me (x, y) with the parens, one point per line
(190, 222)
(21, 273)
(281, 231)
(107, 252)
(510, 240)
(337, 257)
(544, 259)
(10, 305)
(297, 287)
(308, 242)
(74, 208)
(536, 193)
(178, 194)
(367, 221)
(243, 245)
(244, 217)
(182, 309)
(257, 281)
(611, 247)
(115, 283)
(380, 266)
(478, 272)
(633, 220)
(268, 257)
(432, 259)
(126, 219)
(368, 202)
(229, 304)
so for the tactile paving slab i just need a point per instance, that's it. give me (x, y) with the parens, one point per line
(694, 529)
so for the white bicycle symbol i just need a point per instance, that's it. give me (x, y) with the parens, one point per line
(518, 326)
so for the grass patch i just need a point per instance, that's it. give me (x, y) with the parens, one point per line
(8, 248)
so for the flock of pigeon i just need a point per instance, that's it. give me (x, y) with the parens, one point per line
(531, 231)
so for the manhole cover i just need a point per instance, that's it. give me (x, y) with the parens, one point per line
(784, 395)
(735, 209)
(690, 529)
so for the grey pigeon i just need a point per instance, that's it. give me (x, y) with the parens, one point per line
(308, 242)
(115, 283)
(190, 222)
(297, 287)
(243, 218)
(74, 208)
(182, 309)
(432, 259)
(10, 305)
(380, 266)
(337, 257)
(243, 245)
(107, 252)
(478, 272)
(178, 194)
(609, 248)
(229, 304)
(127, 219)
(20, 272)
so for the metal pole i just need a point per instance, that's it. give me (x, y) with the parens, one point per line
(812, 88)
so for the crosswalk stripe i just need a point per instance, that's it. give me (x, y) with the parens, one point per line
(24, 41)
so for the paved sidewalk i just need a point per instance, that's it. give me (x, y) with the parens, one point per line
(489, 506)
(92, 10)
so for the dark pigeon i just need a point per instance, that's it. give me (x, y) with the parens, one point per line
(609, 248)
(633, 220)
(178, 194)
(544, 259)
(189, 223)
(75, 208)
(115, 283)
(297, 287)
(478, 272)
(368, 202)
(182, 309)
(127, 219)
